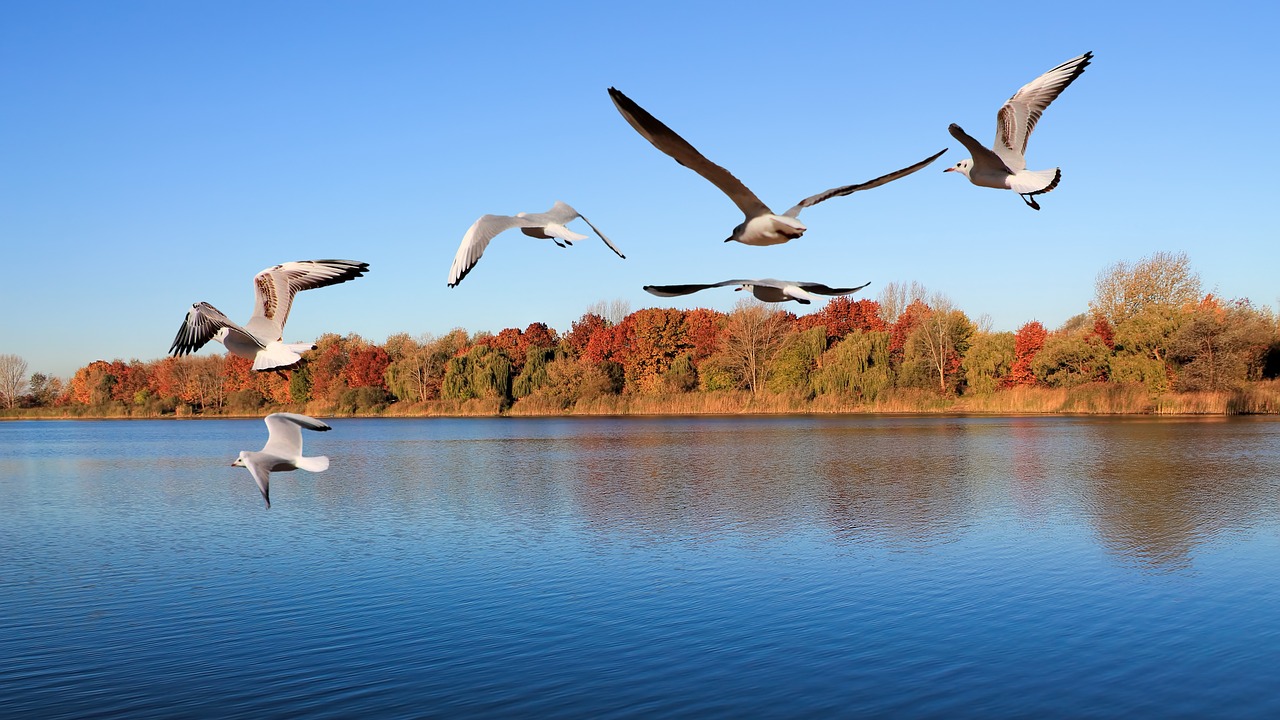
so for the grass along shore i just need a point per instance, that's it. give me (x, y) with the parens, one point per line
(1259, 398)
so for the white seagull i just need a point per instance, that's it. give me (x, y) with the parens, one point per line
(768, 289)
(547, 225)
(1005, 166)
(260, 338)
(762, 226)
(283, 451)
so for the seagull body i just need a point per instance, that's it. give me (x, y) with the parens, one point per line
(1004, 165)
(549, 225)
(762, 226)
(283, 451)
(259, 339)
(767, 289)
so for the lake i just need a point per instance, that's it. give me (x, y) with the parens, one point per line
(640, 567)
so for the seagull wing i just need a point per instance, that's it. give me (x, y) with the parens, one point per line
(984, 158)
(562, 213)
(202, 323)
(666, 140)
(262, 476)
(477, 239)
(849, 189)
(821, 289)
(674, 290)
(275, 287)
(1020, 113)
(284, 433)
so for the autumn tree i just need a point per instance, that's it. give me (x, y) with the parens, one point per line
(842, 315)
(13, 376)
(1221, 345)
(896, 297)
(648, 342)
(930, 339)
(1160, 280)
(582, 330)
(417, 371)
(754, 333)
(1026, 343)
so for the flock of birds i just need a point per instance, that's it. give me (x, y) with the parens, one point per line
(1002, 166)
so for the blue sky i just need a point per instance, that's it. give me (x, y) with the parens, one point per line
(155, 154)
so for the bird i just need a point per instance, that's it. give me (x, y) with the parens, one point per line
(1004, 166)
(767, 289)
(546, 225)
(283, 451)
(259, 339)
(762, 226)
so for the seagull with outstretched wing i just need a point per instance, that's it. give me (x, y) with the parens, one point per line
(1004, 165)
(259, 339)
(283, 451)
(549, 225)
(767, 289)
(761, 226)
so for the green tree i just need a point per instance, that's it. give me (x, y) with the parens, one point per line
(988, 362)
(859, 366)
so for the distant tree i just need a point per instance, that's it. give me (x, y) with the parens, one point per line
(754, 333)
(581, 332)
(842, 315)
(793, 367)
(1027, 342)
(366, 367)
(1221, 345)
(650, 340)
(13, 376)
(44, 390)
(859, 366)
(988, 362)
(1070, 359)
(895, 298)
(1160, 280)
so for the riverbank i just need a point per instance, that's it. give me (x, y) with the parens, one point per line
(1260, 398)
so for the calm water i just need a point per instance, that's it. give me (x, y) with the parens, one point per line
(733, 567)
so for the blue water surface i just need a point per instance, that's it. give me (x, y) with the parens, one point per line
(641, 567)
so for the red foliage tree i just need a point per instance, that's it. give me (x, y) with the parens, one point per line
(1026, 343)
(910, 318)
(842, 316)
(703, 329)
(581, 332)
(367, 367)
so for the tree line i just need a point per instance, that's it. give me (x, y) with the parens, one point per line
(1149, 326)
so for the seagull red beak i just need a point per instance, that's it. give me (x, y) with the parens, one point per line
(950, 169)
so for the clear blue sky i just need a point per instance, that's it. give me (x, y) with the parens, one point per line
(155, 154)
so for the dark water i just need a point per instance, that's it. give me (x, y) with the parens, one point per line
(732, 567)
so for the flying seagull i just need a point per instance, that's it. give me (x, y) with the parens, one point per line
(1005, 166)
(762, 226)
(283, 451)
(768, 289)
(260, 338)
(547, 225)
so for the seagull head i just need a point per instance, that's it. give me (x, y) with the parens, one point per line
(239, 461)
(963, 167)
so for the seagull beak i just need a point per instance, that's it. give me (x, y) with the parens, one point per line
(950, 169)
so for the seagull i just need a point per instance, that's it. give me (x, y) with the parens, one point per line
(1005, 166)
(768, 289)
(547, 225)
(762, 226)
(259, 339)
(283, 451)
